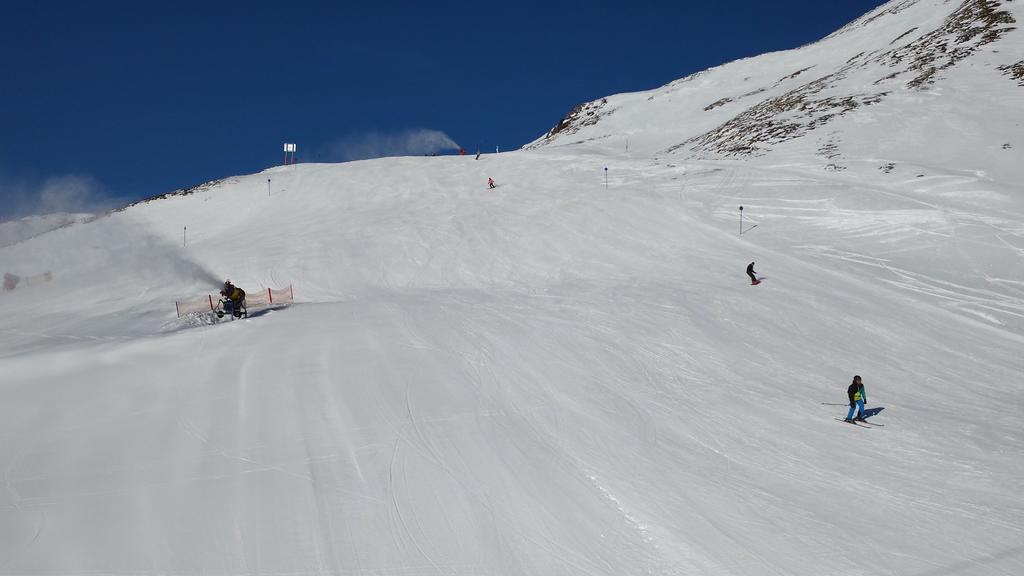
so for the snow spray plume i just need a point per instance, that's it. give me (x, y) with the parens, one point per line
(178, 265)
(14, 231)
(200, 273)
(155, 259)
(66, 194)
(72, 193)
(164, 262)
(416, 142)
(105, 248)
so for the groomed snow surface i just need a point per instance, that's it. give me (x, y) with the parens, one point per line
(557, 376)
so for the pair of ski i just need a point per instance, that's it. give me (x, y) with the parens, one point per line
(861, 423)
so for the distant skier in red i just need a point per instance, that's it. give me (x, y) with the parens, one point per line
(490, 183)
(750, 272)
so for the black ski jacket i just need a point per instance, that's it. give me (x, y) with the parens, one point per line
(856, 392)
(233, 293)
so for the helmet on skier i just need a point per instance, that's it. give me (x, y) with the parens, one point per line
(856, 378)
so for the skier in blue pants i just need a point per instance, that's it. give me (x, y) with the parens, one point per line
(858, 398)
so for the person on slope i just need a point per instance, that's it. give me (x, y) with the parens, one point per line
(234, 298)
(750, 272)
(858, 398)
(490, 183)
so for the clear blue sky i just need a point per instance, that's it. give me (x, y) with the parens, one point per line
(132, 99)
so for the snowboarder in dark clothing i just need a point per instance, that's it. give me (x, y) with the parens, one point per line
(858, 398)
(490, 183)
(750, 272)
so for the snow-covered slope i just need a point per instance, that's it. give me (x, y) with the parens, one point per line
(20, 229)
(563, 375)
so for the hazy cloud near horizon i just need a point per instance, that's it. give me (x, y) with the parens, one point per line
(66, 193)
(414, 142)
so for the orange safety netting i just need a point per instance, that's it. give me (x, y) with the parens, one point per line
(255, 299)
(12, 281)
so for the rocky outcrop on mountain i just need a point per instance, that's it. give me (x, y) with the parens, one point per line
(182, 192)
(586, 114)
(781, 118)
(1015, 71)
(901, 48)
(973, 25)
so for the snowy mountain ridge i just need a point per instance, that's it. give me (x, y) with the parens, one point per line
(899, 50)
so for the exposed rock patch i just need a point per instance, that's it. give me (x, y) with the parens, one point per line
(586, 114)
(973, 25)
(1015, 71)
